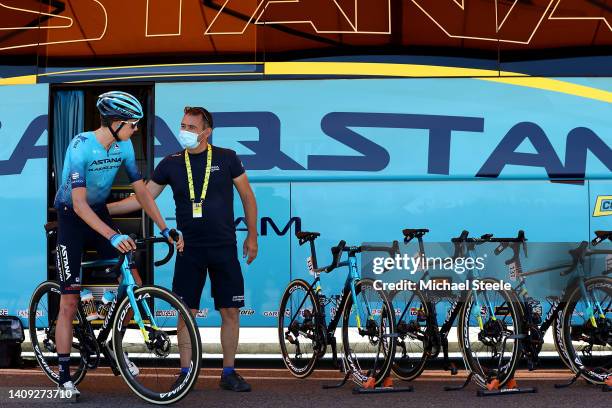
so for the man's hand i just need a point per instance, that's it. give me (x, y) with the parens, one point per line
(249, 248)
(122, 242)
(180, 243)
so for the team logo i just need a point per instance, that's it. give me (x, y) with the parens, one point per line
(238, 299)
(603, 206)
(75, 176)
(214, 168)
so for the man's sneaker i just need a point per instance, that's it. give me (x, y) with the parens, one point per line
(69, 389)
(134, 370)
(234, 382)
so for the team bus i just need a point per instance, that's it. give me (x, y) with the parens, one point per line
(354, 119)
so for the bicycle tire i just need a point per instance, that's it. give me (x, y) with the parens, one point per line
(299, 372)
(48, 287)
(590, 373)
(381, 370)
(170, 396)
(480, 375)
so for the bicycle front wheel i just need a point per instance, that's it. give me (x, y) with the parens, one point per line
(150, 360)
(587, 329)
(42, 319)
(368, 330)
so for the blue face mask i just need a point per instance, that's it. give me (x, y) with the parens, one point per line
(188, 140)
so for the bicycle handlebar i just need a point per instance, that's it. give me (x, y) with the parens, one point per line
(601, 236)
(341, 247)
(141, 243)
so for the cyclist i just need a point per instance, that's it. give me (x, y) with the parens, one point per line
(91, 163)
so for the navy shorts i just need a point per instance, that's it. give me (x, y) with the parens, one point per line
(221, 263)
(72, 236)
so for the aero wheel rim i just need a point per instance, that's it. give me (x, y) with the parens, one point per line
(157, 360)
(299, 333)
(487, 334)
(42, 317)
(591, 344)
(369, 344)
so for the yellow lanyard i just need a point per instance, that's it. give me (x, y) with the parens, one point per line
(206, 175)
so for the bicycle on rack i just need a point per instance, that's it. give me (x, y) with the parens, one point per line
(133, 328)
(593, 327)
(367, 320)
(420, 336)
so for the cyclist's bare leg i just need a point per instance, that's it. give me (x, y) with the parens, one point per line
(184, 342)
(230, 331)
(63, 329)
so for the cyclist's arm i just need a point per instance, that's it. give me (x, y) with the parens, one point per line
(131, 204)
(84, 211)
(147, 201)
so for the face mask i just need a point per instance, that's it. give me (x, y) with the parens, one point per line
(188, 140)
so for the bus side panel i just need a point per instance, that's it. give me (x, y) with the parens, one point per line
(23, 194)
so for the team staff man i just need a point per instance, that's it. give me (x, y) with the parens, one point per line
(202, 178)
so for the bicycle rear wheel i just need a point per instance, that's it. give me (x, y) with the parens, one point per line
(42, 319)
(369, 346)
(411, 354)
(589, 346)
(156, 376)
(485, 332)
(300, 334)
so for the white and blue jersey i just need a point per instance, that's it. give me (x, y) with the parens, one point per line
(89, 164)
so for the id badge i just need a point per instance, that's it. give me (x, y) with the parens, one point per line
(197, 209)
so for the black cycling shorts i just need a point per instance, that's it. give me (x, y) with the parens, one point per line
(221, 263)
(72, 236)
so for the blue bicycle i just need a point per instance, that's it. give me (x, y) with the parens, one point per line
(148, 323)
(367, 317)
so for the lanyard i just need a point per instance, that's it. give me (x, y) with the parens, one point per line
(206, 175)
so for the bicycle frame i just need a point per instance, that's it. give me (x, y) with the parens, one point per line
(126, 288)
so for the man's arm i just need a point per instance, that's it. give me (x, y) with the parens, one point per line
(146, 200)
(84, 211)
(250, 211)
(131, 204)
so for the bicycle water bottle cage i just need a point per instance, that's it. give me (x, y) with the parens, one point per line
(305, 236)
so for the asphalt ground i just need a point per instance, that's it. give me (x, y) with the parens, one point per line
(273, 386)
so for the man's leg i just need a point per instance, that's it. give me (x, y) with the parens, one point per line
(63, 333)
(188, 283)
(184, 342)
(227, 286)
(230, 331)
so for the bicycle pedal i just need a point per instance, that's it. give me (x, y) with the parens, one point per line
(388, 382)
(370, 383)
(493, 385)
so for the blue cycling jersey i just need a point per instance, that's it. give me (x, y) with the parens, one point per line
(89, 164)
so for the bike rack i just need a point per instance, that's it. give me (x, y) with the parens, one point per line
(606, 387)
(512, 389)
(369, 387)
